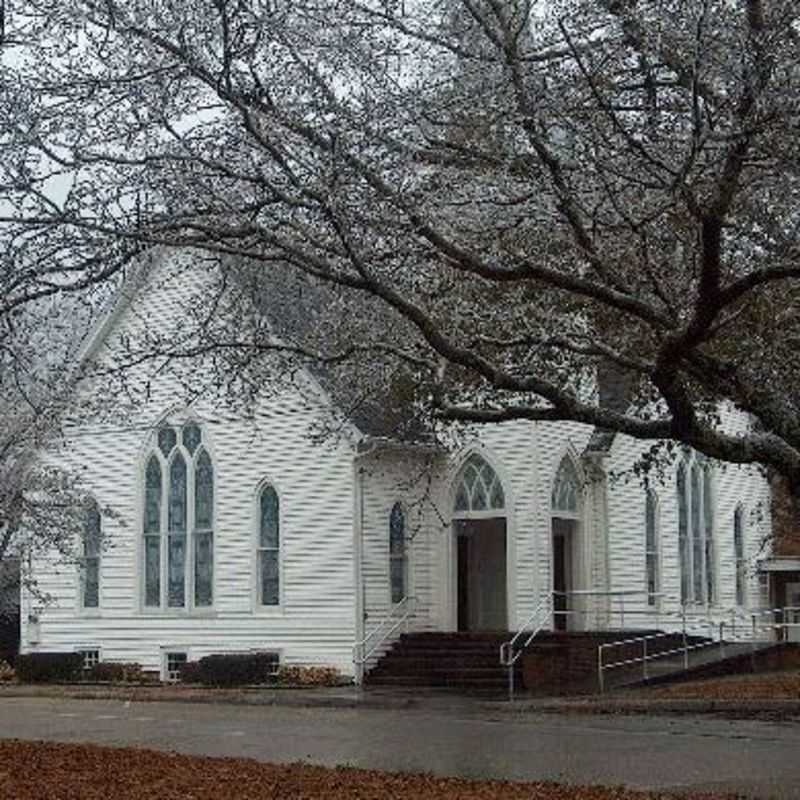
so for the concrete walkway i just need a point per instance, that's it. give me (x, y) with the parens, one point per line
(751, 757)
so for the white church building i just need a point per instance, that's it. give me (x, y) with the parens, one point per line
(237, 534)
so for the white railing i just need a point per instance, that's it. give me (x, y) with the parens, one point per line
(533, 625)
(780, 629)
(399, 615)
(546, 614)
(749, 630)
(688, 644)
(617, 599)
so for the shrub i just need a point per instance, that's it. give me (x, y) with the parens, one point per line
(115, 672)
(190, 672)
(309, 676)
(236, 669)
(7, 673)
(49, 667)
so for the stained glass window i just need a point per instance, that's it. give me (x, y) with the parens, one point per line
(738, 548)
(696, 497)
(397, 553)
(564, 497)
(708, 534)
(203, 492)
(90, 563)
(176, 577)
(683, 532)
(203, 568)
(152, 496)
(166, 441)
(152, 569)
(203, 536)
(178, 528)
(191, 437)
(651, 547)
(478, 488)
(694, 485)
(269, 548)
(177, 495)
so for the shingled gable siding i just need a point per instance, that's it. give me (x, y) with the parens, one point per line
(733, 484)
(316, 622)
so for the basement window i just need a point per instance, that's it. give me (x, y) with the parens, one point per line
(91, 658)
(173, 661)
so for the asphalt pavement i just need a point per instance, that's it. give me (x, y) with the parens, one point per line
(754, 757)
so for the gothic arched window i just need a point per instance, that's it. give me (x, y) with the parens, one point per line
(566, 490)
(738, 547)
(178, 523)
(90, 558)
(652, 565)
(478, 488)
(694, 490)
(269, 548)
(398, 561)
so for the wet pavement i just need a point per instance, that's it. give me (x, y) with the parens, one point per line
(749, 756)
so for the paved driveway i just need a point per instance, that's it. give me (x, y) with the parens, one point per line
(757, 757)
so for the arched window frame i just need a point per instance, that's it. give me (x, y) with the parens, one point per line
(566, 484)
(740, 561)
(652, 547)
(398, 554)
(268, 554)
(464, 491)
(173, 541)
(695, 495)
(89, 560)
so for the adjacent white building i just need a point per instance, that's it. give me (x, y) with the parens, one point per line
(237, 533)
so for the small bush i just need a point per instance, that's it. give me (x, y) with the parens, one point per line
(7, 673)
(115, 672)
(49, 667)
(237, 669)
(309, 676)
(190, 672)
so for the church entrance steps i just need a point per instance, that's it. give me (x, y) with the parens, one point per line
(556, 662)
(468, 662)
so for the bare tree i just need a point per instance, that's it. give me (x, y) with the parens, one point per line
(526, 194)
(43, 504)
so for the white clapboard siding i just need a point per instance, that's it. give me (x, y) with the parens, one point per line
(732, 484)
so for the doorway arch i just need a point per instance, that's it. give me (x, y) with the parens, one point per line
(565, 515)
(480, 547)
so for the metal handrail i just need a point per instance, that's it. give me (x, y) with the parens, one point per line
(716, 637)
(360, 652)
(512, 650)
(536, 622)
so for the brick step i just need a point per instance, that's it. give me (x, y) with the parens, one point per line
(445, 652)
(459, 672)
(498, 682)
(449, 661)
(450, 636)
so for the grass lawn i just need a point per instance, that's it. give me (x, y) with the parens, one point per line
(783, 685)
(48, 771)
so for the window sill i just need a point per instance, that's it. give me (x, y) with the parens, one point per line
(177, 613)
(268, 611)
